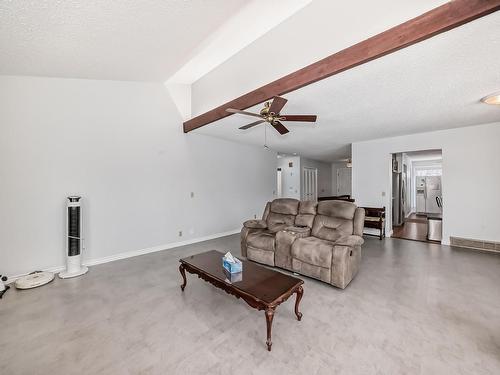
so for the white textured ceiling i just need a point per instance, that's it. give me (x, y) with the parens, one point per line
(433, 85)
(236, 33)
(105, 39)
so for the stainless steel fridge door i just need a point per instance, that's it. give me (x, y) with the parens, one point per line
(420, 194)
(432, 190)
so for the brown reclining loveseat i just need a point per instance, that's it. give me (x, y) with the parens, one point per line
(321, 240)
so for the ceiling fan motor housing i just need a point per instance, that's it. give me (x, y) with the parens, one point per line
(265, 111)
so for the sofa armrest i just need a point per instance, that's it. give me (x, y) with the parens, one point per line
(255, 224)
(245, 231)
(350, 241)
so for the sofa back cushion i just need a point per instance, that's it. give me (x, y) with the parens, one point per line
(307, 212)
(334, 220)
(285, 206)
(340, 209)
(277, 222)
(282, 212)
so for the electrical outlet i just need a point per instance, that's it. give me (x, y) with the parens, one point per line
(254, 216)
(383, 193)
(180, 233)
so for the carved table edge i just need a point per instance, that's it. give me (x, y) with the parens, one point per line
(251, 300)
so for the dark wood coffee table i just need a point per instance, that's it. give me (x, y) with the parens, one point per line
(260, 287)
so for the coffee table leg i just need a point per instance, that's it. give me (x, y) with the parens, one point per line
(183, 273)
(299, 292)
(269, 321)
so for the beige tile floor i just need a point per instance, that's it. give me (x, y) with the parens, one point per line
(414, 308)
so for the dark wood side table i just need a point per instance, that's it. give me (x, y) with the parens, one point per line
(262, 288)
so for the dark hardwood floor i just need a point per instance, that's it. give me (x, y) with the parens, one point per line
(414, 228)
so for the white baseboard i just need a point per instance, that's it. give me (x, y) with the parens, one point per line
(154, 249)
(134, 253)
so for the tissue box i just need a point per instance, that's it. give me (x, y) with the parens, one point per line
(233, 277)
(232, 267)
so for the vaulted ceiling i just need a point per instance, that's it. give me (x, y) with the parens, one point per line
(102, 39)
(152, 40)
(435, 84)
(432, 85)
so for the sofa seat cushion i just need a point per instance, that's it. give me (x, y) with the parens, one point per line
(264, 240)
(314, 251)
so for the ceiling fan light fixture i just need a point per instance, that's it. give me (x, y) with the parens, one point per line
(493, 99)
(271, 114)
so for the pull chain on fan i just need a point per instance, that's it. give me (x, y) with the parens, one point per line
(265, 137)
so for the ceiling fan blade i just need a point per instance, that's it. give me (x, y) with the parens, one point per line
(303, 118)
(280, 127)
(277, 104)
(244, 127)
(232, 110)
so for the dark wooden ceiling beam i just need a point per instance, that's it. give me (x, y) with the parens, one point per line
(425, 26)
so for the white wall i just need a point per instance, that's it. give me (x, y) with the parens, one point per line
(119, 145)
(324, 175)
(290, 176)
(471, 176)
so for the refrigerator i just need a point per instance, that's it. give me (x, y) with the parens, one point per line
(428, 188)
(398, 198)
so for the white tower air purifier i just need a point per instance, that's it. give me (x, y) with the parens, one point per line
(74, 240)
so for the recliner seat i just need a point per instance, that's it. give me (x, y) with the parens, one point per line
(259, 236)
(322, 240)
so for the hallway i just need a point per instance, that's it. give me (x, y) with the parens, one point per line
(414, 228)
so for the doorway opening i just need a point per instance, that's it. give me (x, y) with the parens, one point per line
(417, 199)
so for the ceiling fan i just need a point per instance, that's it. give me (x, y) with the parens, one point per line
(271, 114)
(348, 162)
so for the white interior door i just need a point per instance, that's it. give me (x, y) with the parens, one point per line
(310, 184)
(344, 181)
